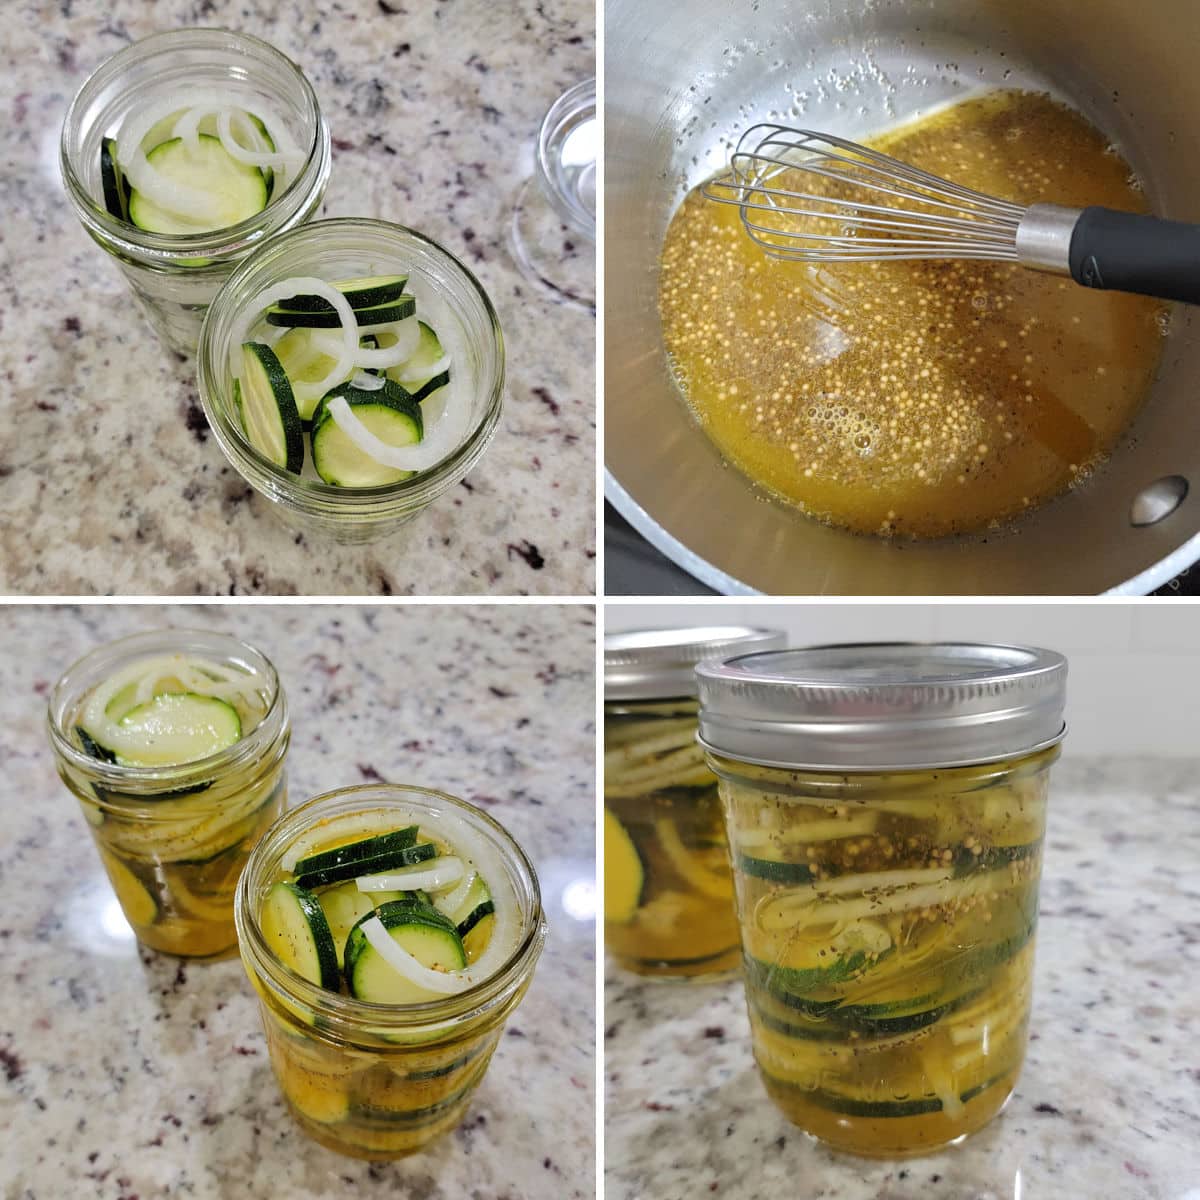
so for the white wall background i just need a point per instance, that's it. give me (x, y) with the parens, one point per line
(1134, 681)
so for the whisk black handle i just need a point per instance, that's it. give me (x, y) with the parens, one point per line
(1127, 252)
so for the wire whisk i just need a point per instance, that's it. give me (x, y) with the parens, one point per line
(813, 197)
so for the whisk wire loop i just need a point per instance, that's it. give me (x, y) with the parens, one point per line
(865, 205)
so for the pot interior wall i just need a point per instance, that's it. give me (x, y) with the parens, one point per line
(685, 77)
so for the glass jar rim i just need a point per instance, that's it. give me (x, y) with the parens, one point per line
(283, 484)
(871, 706)
(217, 243)
(130, 784)
(349, 1011)
(571, 108)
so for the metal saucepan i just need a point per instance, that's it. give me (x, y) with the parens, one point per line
(682, 74)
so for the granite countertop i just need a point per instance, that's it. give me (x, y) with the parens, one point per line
(1108, 1104)
(128, 1075)
(104, 449)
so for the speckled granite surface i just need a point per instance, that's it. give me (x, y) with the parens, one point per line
(126, 1075)
(104, 450)
(1108, 1105)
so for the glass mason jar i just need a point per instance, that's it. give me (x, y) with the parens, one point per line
(370, 1080)
(448, 296)
(173, 839)
(174, 277)
(886, 806)
(668, 895)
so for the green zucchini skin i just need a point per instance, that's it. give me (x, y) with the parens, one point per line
(382, 314)
(294, 921)
(360, 294)
(112, 182)
(853, 1107)
(410, 856)
(360, 851)
(265, 400)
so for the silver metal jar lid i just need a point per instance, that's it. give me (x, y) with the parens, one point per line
(885, 705)
(644, 664)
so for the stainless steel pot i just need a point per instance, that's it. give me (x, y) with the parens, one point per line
(683, 74)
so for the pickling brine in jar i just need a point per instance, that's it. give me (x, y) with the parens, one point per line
(174, 745)
(389, 932)
(887, 914)
(668, 891)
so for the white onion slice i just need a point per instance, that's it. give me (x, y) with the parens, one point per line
(183, 201)
(444, 983)
(386, 356)
(449, 904)
(447, 435)
(302, 285)
(407, 333)
(187, 127)
(434, 876)
(479, 853)
(253, 158)
(423, 373)
(366, 382)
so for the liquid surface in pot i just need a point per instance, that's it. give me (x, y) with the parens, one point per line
(916, 398)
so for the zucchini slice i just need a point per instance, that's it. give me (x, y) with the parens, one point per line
(267, 406)
(476, 905)
(177, 727)
(368, 292)
(359, 851)
(624, 875)
(390, 414)
(425, 371)
(402, 306)
(93, 747)
(295, 927)
(421, 930)
(408, 856)
(112, 180)
(238, 190)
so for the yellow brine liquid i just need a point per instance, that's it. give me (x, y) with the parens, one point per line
(916, 398)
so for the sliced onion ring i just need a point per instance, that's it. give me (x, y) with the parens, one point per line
(431, 876)
(253, 158)
(185, 202)
(364, 356)
(417, 376)
(443, 983)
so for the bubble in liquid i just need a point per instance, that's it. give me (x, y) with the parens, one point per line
(1133, 180)
(1162, 322)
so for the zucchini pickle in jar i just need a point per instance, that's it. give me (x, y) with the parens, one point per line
(885, 806)
(668, 894)
(174, 744)
(376, 1058)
